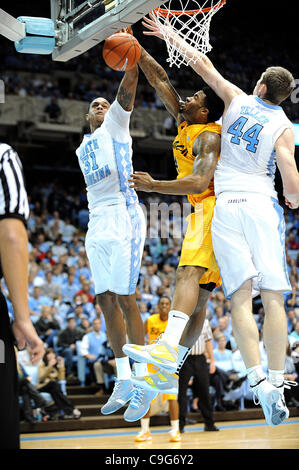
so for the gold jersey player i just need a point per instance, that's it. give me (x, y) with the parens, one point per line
(196, 152)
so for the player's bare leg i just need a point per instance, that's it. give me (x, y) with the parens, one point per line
(174, 421)
(114, 320)
(182, 330)
(244, 325)
(133, 319)
(187, 281)
(247, 337)
(275, 332)
(275, 336)
(124, 391)
(194, 326)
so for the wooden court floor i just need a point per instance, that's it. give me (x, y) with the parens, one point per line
(232, 435)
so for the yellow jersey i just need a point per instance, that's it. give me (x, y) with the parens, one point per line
(183, 154)
(155, 327)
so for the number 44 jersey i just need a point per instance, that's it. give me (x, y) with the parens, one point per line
(247, 162)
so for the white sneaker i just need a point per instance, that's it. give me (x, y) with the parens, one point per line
(161, 354)
(272, 403)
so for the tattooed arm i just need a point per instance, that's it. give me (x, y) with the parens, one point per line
(207, 149)
(158, 79)
(127, 89)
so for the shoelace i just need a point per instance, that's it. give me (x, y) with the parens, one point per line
(289, 383)
(137, 397)
(116, 386)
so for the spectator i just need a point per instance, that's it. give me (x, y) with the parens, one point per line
(291, 391)
(51, 370)
(67, 342)
(144, 311)
(86, 290)
(47, 327)
(69, 288)
(291, 320)
(294, 336)
(36, 302)
(53, 109)
(49, 288)
(29, 394)
(85, 324)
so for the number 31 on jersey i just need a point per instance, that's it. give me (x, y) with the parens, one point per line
(250, 136)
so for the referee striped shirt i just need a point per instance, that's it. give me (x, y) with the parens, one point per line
(199, 346)
(13, 195)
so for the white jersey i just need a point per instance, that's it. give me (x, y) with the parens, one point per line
(247, 162)
(105, 159)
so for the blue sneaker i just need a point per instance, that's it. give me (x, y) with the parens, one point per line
(140, 403)
(272, 403)
(122, 393)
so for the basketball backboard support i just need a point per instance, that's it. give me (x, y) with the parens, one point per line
(73, 39)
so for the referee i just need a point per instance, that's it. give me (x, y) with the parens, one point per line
(14, 211)
(196, 366)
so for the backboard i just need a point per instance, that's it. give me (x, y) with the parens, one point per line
(80, 25)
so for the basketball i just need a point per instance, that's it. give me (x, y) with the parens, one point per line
(121, 51)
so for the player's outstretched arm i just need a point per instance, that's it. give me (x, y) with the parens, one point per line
(285, 155)
(207, 149)
(198, 61)
(158, 79)
(127, 89)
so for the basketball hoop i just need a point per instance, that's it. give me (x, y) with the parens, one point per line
(192, 23)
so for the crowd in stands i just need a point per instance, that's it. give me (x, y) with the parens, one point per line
(66, 316)
(61, 293)
(241, 69)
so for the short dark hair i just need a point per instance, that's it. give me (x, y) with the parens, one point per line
(214, 104)
(280, 84)
(164, 296)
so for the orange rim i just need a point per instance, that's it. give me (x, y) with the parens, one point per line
(165, 13)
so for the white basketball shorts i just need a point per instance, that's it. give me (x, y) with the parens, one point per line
(114, 246)
(248, 233)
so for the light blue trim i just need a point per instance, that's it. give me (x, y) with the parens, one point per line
(281, 229)
(267, 105)
(124, 169)
(271, 168)
(135, 248)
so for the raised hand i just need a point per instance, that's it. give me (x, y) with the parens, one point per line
(155, 27)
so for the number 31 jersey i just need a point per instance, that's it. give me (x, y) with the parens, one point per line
(247, 162)
(105, 159)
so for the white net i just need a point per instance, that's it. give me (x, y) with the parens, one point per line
(191, 20)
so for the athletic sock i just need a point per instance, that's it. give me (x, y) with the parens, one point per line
(123, 368)
(145, 424)
(141, 369)
(255, 375)
(174, 426)
(176, 323)
(276, 377)
(183, 353)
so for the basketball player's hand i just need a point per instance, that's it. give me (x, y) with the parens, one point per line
(25, 334)
(154, 28)
(127, 30)
(142, 181)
